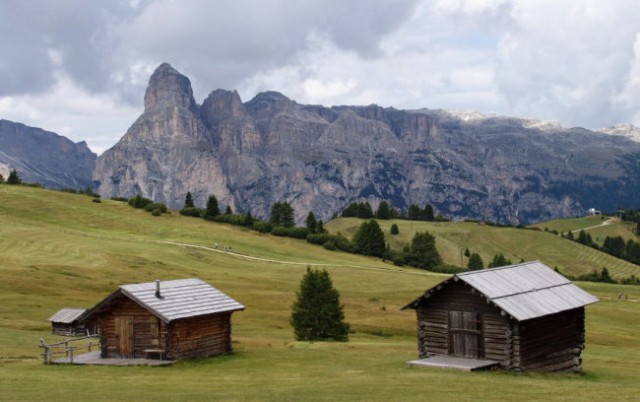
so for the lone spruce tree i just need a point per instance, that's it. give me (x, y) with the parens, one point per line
(14, 178)
(317, 313)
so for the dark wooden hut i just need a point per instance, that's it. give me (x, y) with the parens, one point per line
(176, 319)
(68, 322)
(526, 317)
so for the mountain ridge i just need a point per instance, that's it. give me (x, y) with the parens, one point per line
(44, 157)
(317, 158)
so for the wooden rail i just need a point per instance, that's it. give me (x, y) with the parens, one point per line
(67, 347)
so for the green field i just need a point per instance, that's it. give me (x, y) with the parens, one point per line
(452, 238)
(63, 250)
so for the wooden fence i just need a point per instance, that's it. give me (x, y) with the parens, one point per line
(68, 347)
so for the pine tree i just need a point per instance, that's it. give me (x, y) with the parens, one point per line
(499, 260)
(317, 313)
(282, 214)
(369, 239)
(383, 212)
(212, 208)
(423, 252)
(428, 213)
(312, 224)
(188, 200)
(1, 178)
(475, 262)
(228, 210)
(13, 177)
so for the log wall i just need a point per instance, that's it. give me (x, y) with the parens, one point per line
(434, 335)
(551, 343)
(147, 331)
(200, 336)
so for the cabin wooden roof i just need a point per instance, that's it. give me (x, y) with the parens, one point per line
(180, 298)
(67, 315)
(524, 291)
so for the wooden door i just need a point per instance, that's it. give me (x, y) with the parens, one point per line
(464, 334)
(124, 335)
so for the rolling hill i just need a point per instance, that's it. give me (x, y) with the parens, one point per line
(59, 249)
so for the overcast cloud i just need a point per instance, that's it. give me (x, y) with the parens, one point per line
(80, 68)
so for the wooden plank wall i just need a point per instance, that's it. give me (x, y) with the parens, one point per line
(200, 336)
(433, 322)
(551, 343)
(143, 328)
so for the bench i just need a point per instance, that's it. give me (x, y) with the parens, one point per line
(151, 352)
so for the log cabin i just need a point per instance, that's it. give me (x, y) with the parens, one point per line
(525, 317)
(177, 319)
(69, 321)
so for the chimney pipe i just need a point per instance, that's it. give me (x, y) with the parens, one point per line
(158, 289)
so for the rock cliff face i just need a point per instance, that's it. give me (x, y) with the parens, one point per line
(44, 157)
(320, 159)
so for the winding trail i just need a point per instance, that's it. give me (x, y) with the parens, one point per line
(315, 264)
(609, 221)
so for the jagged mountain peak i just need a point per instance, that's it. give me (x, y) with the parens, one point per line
(168, 87)
(270, 149)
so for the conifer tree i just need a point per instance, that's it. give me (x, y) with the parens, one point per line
(13, 177)
(383, 212)
(188, 200)
(369, 239)
(212, 208)
(423, 252)
(311, 222)
(317, 313)
(475, 262)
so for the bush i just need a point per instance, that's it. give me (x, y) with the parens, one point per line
(139, 201)
(156, 212)
(191, 211)
(262, 227)
(319, 238)
(394, 229)
(296, 232)
(156, 206)
(96, 200)
(121, 199)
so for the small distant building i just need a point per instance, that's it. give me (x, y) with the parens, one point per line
(525, 317)
(593, 212)
(175, 319)
(68, 322)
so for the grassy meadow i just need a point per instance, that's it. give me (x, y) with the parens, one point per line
(63, 250)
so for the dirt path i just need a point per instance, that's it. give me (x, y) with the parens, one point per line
(313, 264)
(609, 221)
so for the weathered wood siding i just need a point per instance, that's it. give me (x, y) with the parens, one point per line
(550, 343)
(145, 332)
(63, 329)
(434, 326)
(200, 336)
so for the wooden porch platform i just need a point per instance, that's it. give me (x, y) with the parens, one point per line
(93, 358)
(456, 363)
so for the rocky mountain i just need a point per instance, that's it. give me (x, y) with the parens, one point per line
(250, 155)
(626, 130)
(44, 157)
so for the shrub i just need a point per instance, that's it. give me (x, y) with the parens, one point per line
(96, 200)
(262, 227)
(156, 212)
(394, 229)
(191, 211)
(296, 232)
(156, 206)
(121, 199)
(139, 201)
(319, 238)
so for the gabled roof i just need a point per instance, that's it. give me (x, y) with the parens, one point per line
(67, 315)
(524, 291)
(180, 298)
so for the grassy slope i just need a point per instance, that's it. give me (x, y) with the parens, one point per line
(516, 244)
(61, 250)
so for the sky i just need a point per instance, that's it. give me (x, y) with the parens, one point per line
(80, 68)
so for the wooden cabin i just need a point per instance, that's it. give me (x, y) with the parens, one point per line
(68, 322)
(526, 317)
(172, 320)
